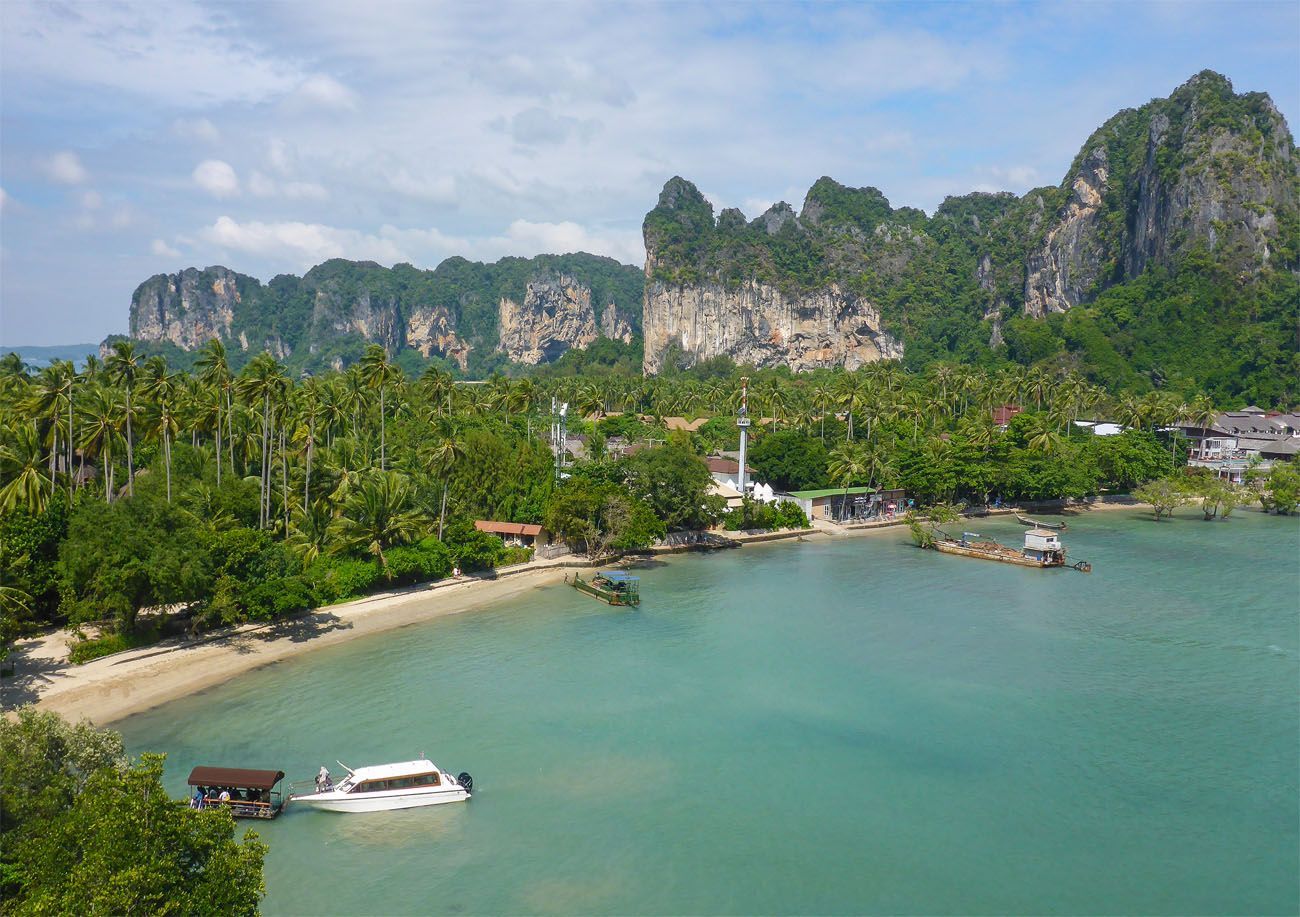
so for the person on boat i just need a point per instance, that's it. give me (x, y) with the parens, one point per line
(324, 783)
(224, 797)
(196, 801)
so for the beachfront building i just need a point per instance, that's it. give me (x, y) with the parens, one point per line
(857, 504)
(727, 470)
(1236, 441)
(516, 534)
(1003, 413)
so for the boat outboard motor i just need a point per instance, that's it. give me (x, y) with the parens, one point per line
(466, 781)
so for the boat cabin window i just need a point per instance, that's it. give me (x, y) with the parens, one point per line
(426, 780)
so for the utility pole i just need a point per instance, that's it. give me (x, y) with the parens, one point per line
(742, 421)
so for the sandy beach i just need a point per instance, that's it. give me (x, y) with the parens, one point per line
(117, 686)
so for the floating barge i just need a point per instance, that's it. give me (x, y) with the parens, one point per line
(613, 587)
(248, 793)
(1042, 549)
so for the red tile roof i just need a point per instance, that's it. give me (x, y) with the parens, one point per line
(508, 528)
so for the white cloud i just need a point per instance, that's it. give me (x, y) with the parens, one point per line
(302, 244)
(163, 250)
(196, 129)
(66, 168)
(304, 191)
(5, 200)
(260, 186)
(324, 91)
(527, 238)
(440, 189)
(282, 157)
(92, 200)
(217, 178)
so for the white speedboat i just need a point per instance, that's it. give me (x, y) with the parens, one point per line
(382, 787)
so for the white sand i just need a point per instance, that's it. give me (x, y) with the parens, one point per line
(117, 686)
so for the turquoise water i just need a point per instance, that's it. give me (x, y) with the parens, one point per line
(852, 726)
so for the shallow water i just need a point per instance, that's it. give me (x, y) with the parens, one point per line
(852, 726)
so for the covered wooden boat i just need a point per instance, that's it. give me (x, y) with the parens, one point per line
(1035, 524)
(246, 793)
(614, 587)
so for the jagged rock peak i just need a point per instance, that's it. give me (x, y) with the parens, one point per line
(775, 217)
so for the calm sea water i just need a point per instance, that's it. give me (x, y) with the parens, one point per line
(833, 727)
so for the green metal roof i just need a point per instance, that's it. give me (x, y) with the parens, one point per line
(829, 492)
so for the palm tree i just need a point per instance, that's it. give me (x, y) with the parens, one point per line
(1042, 435)
(98, 429)
(161, 388)
(309, 534)
(378, 515)
(848, 463)
(264, 379)
(377, 372)
(853, 389)
(214, 371)
(28, 483)
(123, 366)
(440, 457)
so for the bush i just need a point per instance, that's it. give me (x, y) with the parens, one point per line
(514, 555)
(418, 563)
(110, 643)
(471, 549)
(336, 579)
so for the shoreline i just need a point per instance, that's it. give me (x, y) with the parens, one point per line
(114, 687)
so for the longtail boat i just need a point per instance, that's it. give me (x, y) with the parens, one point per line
(1042, 549)
(613, 587)
(1035, 524)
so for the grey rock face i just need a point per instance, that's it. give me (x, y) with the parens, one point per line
(556, 315)
(187, 308)
(1064, 269)
(432, 330)
(756, 323)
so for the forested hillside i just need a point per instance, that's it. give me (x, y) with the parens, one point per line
(327, 316)
(1166, 257)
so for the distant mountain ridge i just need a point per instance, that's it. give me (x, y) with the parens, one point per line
(476, 315)
(1177, 226)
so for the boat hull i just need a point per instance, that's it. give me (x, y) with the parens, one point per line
(1005, 557)
(384, 801)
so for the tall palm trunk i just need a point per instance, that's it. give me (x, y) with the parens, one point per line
(442, 513)
(266, 461)
(284, 481)
(130, 453)
(167, 457)
(306, 484)
(218, 439)
(382, 444)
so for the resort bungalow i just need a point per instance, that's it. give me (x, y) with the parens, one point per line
(516, 534)
(861, 503)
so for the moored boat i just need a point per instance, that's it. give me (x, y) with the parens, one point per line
(1042, 549)
(614, 587)
(245, 793)
(1036, 524)
(384, 787)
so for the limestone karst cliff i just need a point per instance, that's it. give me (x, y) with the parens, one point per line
(472, 314)
(1201, 186)
(1203, 169)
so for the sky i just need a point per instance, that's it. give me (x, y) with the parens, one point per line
(139, 138)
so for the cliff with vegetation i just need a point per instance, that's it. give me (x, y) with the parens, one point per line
(1168, 253)
(476, 316)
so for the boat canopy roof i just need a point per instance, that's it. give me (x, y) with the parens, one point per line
(619, 576)
(399, 769)
(1042, 533)
(239, 777)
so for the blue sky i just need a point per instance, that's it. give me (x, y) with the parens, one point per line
(138, 138)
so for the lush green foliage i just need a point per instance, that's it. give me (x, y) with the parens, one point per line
(84, 831)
